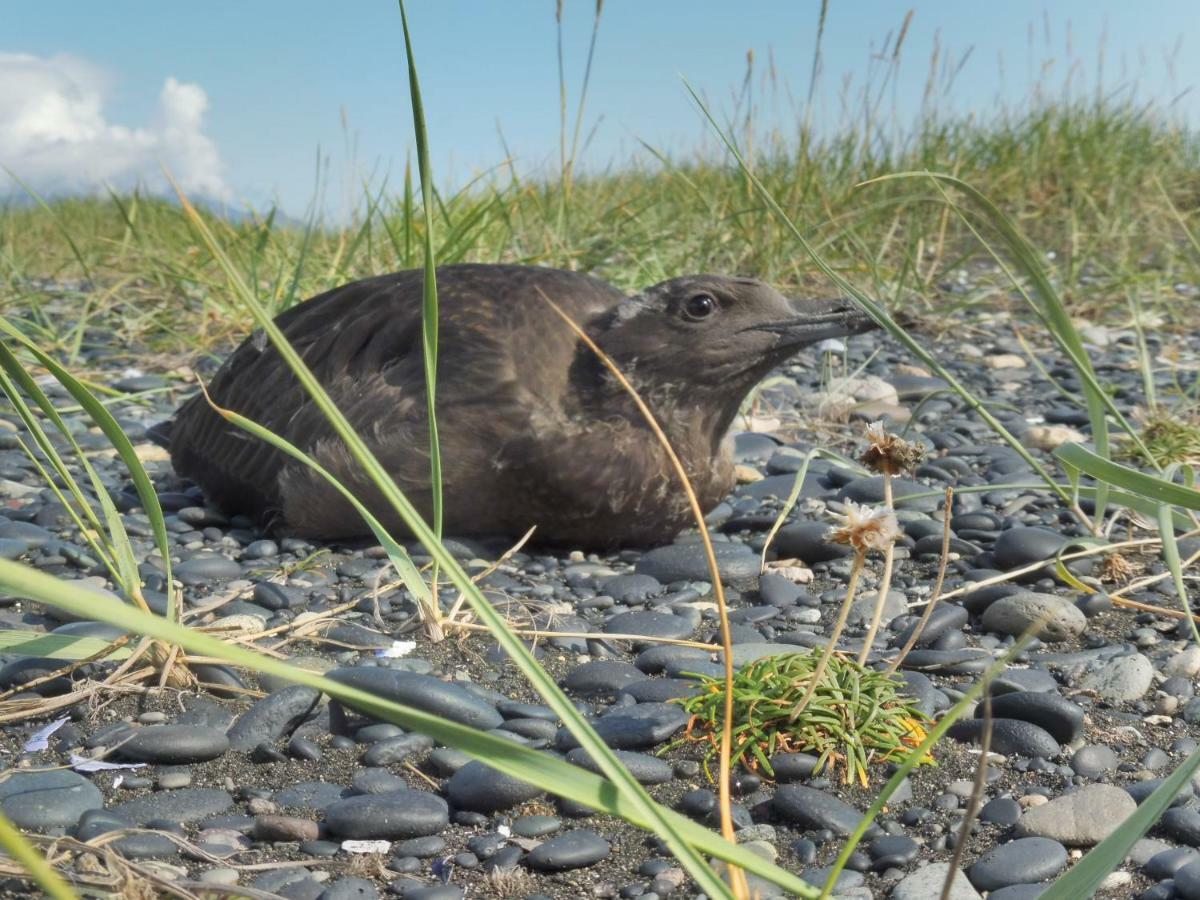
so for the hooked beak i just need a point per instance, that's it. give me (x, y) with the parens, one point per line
(837, 318)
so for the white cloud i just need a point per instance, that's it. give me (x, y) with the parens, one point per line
(54, 134)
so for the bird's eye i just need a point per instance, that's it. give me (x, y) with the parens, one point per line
(699, 306)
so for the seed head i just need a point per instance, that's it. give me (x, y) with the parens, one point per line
(866, 529)
(889, 453)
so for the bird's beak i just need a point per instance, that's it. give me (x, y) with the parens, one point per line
(816, 320)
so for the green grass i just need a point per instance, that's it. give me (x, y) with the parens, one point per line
(1109, 188)
(856, 715)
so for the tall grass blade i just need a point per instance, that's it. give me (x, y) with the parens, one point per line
(112, 430)
(429, 307)
(1081, 459)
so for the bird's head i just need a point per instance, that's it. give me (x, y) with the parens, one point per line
(697, 345)
(711, 333)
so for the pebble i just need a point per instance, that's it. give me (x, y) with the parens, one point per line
(1094, 760)
(272, 716)
(1187, 881)
(423, 692)
(688, 562)
(40, 801)
(1016, 613)
(1026, 860)
(1121, 679)
(605, 676)
(571, 850)
(645, 768)
(928, 881)
(183, 805)
(1081, 818)
(174, 744)
(203, 569)
(812, 809)
(1009, 737)
(480, 788)
(389, 816)
(1061, 718)
(1022, 546)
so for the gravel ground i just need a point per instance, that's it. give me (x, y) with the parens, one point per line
(265, 791)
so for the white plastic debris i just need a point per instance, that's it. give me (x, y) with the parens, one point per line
(366, 846)
(87, 764)
(398, 649)
(41, 738)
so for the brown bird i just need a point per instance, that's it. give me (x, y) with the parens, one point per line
(534, 429)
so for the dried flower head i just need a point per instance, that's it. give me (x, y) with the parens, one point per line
(1116, 569)
(866, 529)
(889, 453)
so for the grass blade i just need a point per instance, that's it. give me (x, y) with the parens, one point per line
(1158, 489)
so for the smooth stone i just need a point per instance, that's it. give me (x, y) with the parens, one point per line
(793, 766)
(1012, 680)
(1023, 861)
(632, 588)
(310, 795)
(892, 851)
(423, 692)
(1082, 818)
(604, 676)
(1001, 811)
(1023, 546)
(388, 816)
(637, 727)
(687, 562)
(1187, 881)
(812, 809)
(174, 744)
(272, 716)
(1053, 712)
(808, 541)
(1182, 823)
(1009, 737)
(54, 798)
(649, 624)
(572, 850)
(536, 826)
(869, 489)
(945, 617)
(1093, 760)
(1167, 862)
(183, 805)
(203, 569)
(927, 882)
(645, 768)
(1121, 679)
(663, 690)
(479, 788)
(1016, 613)
(350, 888)
(966, 661)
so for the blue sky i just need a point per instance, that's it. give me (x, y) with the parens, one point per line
(237, 97)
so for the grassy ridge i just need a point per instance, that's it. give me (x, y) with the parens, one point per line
(1108, 188)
